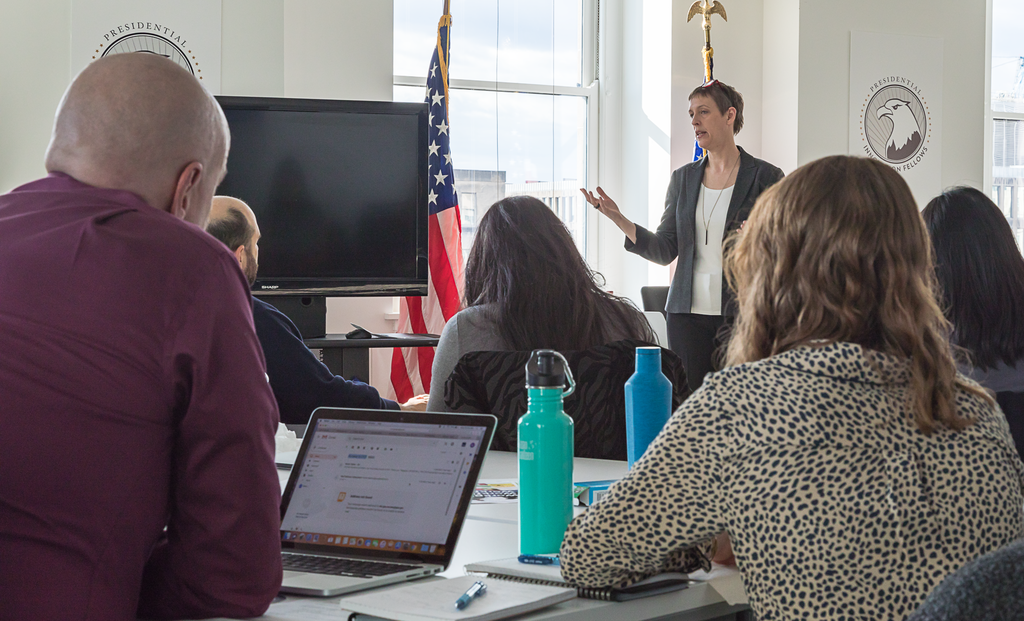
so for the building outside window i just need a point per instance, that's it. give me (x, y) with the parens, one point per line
(523, 102)
(1007, 110)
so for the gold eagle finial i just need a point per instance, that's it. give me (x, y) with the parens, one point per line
(706, 9)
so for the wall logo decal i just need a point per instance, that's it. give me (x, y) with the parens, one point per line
(186, 32)
(895, 123)
(895, 106)
(149, 38)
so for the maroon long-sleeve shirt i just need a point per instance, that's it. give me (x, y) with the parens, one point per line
(132, 397)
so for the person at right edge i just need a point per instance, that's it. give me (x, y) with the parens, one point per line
(706, 200)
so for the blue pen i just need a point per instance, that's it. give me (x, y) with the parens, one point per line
(478, 589)
(538, 559)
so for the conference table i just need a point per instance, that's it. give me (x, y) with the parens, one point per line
(491, 531)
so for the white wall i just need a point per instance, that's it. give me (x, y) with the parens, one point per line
(636, 103)
(35, 41)
(252, 48)
(338, 49)
(610, 258)
(791, 61)
(780, 105)
(824, 74)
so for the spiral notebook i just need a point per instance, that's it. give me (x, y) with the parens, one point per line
(551, 575)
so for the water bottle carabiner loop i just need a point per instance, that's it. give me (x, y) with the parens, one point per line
(568, 375)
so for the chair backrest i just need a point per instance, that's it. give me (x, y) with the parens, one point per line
(494, 382)
(1012, 404)
(654, 298)
(989, 588)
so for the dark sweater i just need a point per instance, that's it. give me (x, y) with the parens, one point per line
(302, 383)
(989, 588)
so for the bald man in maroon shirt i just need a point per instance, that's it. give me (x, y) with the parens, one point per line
(136, 422)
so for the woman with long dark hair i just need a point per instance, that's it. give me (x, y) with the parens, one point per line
(528, 287)
(850, 464)
(981, 274)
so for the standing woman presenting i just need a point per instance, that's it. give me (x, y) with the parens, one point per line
(706, 200)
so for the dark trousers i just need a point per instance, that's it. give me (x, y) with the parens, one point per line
(696, 339)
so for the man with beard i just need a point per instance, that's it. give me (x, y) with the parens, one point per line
(300, 382)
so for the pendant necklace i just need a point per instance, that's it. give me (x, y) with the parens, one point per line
(704, 195)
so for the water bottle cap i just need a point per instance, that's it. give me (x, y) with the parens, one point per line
(547, 368)
(648, 351)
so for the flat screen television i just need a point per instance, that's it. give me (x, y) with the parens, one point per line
(339, 189)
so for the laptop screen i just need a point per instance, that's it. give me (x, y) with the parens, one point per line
(392, 486)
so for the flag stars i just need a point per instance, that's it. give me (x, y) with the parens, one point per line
(437, 97)
(431, 198)
(432, 70)
(442, 128)
(448, 159)
(440, 177)
(433, 148)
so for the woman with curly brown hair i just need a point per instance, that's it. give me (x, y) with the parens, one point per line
(850, 464)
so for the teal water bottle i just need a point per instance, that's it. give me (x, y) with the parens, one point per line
(648, 402)
(545, 455)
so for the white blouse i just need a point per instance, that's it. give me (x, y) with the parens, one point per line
(712, 209)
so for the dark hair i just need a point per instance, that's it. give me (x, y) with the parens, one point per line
(525, 264)
(233, 230)
(981, 275)
(725, 97)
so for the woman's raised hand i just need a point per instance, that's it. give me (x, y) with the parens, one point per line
(602, 202)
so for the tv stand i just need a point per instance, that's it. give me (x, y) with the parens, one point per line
(307, 312)
(350, 358)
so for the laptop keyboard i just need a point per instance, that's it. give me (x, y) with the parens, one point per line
(341, 566)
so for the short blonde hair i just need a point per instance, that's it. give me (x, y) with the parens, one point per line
(837, 251)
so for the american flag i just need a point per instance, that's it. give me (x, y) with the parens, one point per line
(410, 367)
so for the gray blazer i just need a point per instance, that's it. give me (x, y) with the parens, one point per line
(676, 233)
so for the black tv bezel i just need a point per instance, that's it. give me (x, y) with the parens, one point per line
(351, 287)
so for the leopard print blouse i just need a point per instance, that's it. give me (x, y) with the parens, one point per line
(837, 506)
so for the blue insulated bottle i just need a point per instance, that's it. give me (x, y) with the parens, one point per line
(545, 455)
(648, 402)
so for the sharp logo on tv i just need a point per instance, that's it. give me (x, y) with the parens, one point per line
(895, 123)
(269, 286)
(149, 38)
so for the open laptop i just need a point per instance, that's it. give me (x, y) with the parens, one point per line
(378, 496)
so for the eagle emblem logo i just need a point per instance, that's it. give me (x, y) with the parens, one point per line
(895, 124)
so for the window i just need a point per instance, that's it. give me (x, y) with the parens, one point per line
(1007, 110)
(522, 101)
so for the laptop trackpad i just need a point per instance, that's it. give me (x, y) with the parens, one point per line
(319, 584)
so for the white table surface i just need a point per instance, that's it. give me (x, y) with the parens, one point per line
(491, 531)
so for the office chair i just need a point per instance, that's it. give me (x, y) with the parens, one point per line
(654, 298)
(495, 382)
(989, 588)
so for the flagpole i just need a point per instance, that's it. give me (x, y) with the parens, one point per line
(447, 4)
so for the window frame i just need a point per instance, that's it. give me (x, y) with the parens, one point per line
(590, 93)
(990, 115)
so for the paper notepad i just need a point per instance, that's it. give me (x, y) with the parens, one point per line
(512, 569)
(434, 600)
